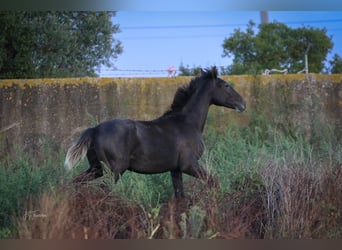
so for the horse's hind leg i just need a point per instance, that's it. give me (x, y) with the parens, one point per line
(117, 162)
(117, 168)
(95, 169)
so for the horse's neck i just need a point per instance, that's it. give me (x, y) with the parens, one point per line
(197, 109)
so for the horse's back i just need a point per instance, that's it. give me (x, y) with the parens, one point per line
(115, 126)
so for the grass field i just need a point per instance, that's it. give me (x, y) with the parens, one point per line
(272, 185)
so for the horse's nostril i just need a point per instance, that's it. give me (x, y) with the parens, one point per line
(243, 106)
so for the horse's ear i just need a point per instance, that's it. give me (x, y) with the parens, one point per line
(214, 72)
(203, 72)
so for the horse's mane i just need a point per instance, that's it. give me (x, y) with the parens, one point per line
(184, 93)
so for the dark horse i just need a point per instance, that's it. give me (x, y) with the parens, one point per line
(172, 142)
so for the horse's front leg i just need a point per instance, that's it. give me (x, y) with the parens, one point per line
(177, 181)
(196, 170)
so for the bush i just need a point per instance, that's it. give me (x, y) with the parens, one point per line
(21, 180)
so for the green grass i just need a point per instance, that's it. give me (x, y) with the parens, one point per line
(146, 190)
(272, 185)
(22, 179)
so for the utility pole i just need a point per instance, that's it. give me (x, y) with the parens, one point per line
(306, 61)
(264, 16)
(306, 69)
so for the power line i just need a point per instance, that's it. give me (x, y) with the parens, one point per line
(172, 37)
(191, 36)
(187, 36)
(196, 26)
(180, 26)
(315, 21)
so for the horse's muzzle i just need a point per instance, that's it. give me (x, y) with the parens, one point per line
(241, 107)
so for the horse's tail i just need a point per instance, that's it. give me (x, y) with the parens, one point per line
(79, 150)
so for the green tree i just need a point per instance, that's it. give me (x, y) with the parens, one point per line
(56, 44)
(241, 46)
(336, 64)
(276, 46)
(187, 71)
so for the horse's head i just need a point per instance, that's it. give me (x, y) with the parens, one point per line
(224, 94)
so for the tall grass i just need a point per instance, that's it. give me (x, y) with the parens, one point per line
(272, 185)
(22, 179)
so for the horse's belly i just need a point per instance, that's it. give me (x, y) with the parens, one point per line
(157, 162)
(155, 149)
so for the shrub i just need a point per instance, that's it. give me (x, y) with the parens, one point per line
(21, 180)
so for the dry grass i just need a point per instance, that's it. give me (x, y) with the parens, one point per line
(85, 213)
(290, 202)
(90, 214)
(302, 201)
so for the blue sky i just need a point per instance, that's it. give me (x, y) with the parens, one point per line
(155, 40)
